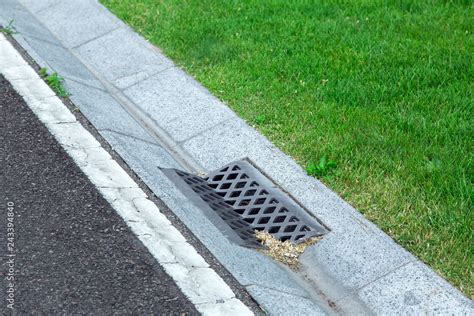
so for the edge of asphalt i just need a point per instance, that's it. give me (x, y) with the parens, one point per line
(184, 257)
(155, 115)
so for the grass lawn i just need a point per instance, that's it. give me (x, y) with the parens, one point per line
(383, 90)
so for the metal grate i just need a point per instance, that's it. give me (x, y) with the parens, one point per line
(219, 205)
(247, 201)
(261, 204)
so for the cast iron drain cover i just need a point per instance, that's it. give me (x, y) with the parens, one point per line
(247, 201)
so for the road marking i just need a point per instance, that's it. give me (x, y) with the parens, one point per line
(196, 279)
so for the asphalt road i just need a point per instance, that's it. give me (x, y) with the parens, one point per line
(68, 252)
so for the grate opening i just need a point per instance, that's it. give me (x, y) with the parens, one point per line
(239, 185)
(279, 219)
(274, 230)
(250, 192)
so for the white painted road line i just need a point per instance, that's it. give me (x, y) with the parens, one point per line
(200, 283)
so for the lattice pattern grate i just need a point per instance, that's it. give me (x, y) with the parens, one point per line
(259, 206)
(218, 204)
(247, 201)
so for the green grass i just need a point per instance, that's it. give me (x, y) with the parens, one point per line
(55, 82)
(373, 97)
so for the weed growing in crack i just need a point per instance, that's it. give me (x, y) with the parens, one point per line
(9, 29)
(55, 81)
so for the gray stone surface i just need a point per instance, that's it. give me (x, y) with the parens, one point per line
(68, 16)
(415, 289)
(122, 57)
(285, 304)
(178, 104)
(229, 141)
(140, 152)
(104, 111)
(354, 258)
(23, 21)
(62, 61)
(38, 5)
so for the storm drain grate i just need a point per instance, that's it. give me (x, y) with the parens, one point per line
(219, 205)
(246, 200)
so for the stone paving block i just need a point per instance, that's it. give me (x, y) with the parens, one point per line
(51, 110)
(191, 278)
(180, 105)
(102, 110)
(68, 16)
(231, 307)
(26, 46)
(140, 152)
(10, 57)
(38, 5)
(353, 259)
(278, 303)
(62, 61)
(72, 136)
(23, 20)
(415, 290)
(123, 57)
(227, 142)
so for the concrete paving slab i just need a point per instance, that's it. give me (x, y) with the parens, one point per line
(36, 6)
(415, 290)
(140, 151)
(226, 142)
(354, 258)
(122, 57)
(23, 20)
(67, 17)
(178, 103)
(104, 112)
(62, 61)
(285, 304)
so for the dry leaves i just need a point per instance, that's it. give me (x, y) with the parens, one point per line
(286, 252)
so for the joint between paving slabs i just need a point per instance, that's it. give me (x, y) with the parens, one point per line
(94, 38)
(355, 291)
(129, 136)
(27, 36)
(176, 262)
(277, 290)
(84, 82)
(180, 143)
(141, 80)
